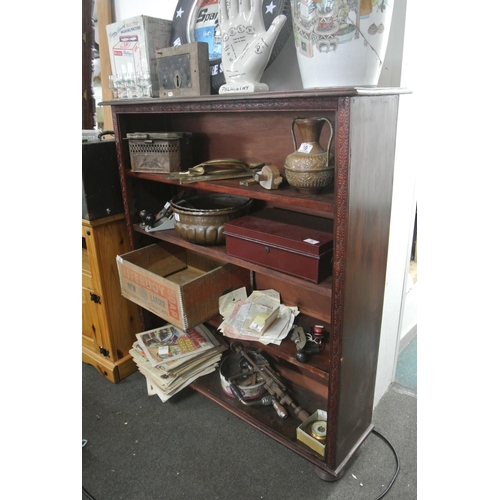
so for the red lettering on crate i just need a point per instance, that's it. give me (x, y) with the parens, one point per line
(151, 285)
(173, 309)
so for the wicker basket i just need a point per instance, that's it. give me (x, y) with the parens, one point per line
(160, 152)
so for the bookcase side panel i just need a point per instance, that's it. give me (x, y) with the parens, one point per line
(372, 149)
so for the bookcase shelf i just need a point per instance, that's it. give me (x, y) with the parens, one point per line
(264, 418)
(320, 205)
(219, 253)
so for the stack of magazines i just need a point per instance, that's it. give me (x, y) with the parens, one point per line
(171, 358)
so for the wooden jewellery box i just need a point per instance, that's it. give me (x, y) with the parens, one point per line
(295, 244)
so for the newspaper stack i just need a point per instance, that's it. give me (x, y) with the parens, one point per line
(260, 317)
(171, 358)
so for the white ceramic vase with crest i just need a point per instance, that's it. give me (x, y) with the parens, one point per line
(341, 43)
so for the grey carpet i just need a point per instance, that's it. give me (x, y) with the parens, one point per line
(190, 448)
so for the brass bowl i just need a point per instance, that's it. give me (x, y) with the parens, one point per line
(200, 219)
(309, 180)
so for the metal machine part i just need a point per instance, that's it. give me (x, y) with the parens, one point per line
(249, 383)
(265, 401)
(306, 343)
(273, 383)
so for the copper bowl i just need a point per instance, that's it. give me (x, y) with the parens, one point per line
(200, 219)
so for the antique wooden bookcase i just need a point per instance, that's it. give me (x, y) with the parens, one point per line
(257, 127)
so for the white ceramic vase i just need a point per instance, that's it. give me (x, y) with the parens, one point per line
(340, 43)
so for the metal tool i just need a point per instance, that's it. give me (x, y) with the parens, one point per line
(306, 344)
(200, 173)
(264, 401)
(162, 220)
(220, 176)
(273, 384)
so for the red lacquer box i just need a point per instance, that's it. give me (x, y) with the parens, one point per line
(297, 244)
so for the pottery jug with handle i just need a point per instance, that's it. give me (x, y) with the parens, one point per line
(310, 168)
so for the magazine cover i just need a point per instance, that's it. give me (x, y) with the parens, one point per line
(169, 342)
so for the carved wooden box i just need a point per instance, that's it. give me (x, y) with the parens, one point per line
(160, 152)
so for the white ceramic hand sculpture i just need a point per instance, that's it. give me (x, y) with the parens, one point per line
(246, 45)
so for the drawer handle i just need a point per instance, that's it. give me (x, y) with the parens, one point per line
(104, 351)
(267, 249)
(95, 298)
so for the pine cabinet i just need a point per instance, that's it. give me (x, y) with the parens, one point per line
(257, 127)
(109, 321)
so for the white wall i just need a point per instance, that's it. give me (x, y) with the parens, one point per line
(395, 316)
(283, 74)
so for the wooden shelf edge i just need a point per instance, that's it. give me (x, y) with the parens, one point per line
(321, 205)
(285, 350)
(271, 96)
(219, 253)
(203, 386)
(318, 365)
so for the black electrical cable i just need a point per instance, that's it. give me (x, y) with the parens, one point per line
(87, 494)
(397, 464)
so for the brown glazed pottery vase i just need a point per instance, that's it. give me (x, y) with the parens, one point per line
(310, 168)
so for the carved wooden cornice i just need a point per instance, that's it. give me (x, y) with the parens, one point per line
(219, 105)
